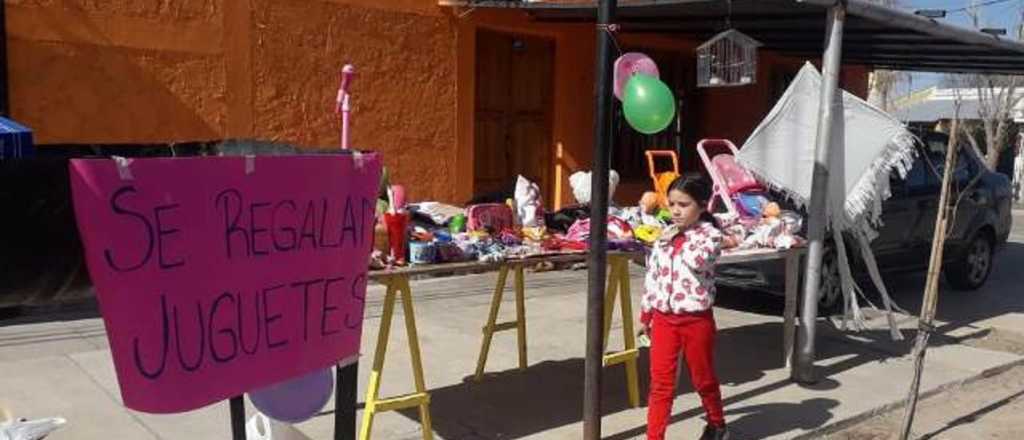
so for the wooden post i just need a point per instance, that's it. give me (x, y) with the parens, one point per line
(931, 289)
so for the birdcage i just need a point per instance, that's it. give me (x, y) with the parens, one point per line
(727, 59)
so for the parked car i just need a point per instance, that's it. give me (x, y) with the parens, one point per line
(979, 228)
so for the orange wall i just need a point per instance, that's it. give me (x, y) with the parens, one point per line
(122, 71)
(116, 72)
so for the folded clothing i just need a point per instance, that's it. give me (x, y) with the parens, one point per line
(438, 213)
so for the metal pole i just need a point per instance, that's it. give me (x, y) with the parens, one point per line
(803, 370)
(597, 264)
(237, 418)
(345, 397)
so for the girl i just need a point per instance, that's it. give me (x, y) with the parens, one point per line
(676, 309)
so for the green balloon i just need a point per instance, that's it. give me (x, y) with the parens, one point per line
(648, 104)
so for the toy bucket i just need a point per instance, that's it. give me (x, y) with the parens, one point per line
(421, 252)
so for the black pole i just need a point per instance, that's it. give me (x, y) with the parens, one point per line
(237, 418)
(597, 265)
(345, 401)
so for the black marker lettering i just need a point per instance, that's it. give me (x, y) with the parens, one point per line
(358, 285)
(160, 233)
(256, 232)
(309, 226)
(231, 224)
(202, 339)
(116, 207)
(268, 319)
(241, 323)
(226, 331)
(163, 353)
(305, 304)
(327, 308)
(288, 229)
(349, 223)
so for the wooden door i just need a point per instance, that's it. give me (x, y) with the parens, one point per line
(513, 111)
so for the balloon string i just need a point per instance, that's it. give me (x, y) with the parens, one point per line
(611, 29)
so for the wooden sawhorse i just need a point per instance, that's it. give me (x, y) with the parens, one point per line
(618, 286)
(397, 284)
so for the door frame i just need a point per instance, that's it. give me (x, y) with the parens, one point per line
(466, 54)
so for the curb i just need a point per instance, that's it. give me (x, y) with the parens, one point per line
(840, 425)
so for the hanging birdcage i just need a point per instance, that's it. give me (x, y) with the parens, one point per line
(727, 59)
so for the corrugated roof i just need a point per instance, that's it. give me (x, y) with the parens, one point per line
(874, 35)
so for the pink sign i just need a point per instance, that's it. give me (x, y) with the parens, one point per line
(220, 275)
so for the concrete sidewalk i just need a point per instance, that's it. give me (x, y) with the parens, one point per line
(63, 368)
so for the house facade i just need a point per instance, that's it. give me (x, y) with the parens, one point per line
(458, 100)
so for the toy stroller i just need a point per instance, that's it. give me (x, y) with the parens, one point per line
(734, 186)
(663, 179)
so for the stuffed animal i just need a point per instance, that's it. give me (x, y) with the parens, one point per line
(649, 203)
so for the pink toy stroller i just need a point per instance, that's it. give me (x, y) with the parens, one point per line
(734, 186)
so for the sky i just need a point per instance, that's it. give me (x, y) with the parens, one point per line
(1005, 14)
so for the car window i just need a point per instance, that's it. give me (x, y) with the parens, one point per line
(963, 172)
(926, 174)
(917, 179)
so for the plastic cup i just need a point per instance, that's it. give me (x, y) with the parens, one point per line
(397, 225)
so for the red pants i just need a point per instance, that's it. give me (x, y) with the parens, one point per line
(694, 336)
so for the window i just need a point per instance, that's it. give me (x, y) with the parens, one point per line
(926, 174)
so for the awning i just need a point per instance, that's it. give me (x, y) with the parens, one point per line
(875, 35)
(15, 140)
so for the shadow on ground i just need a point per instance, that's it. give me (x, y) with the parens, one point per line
(548, 395)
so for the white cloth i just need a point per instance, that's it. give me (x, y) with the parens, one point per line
(580, 183)
(1018, 176)
(529, 205)
(866, 145)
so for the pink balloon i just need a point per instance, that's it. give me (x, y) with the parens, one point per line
(629, 64)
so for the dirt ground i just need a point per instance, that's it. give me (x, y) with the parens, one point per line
(992, 408)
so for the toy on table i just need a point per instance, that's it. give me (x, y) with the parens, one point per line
(397, 222)
(662, 180)
(649, 203)
(733, 185)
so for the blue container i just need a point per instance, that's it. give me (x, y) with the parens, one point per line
(421, 252)
(15, 140)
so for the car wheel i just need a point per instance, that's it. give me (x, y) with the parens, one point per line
(972, 270)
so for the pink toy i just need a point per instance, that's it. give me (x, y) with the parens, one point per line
(728, 177)
(342, 107)
(493, 217)
(398, 197)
